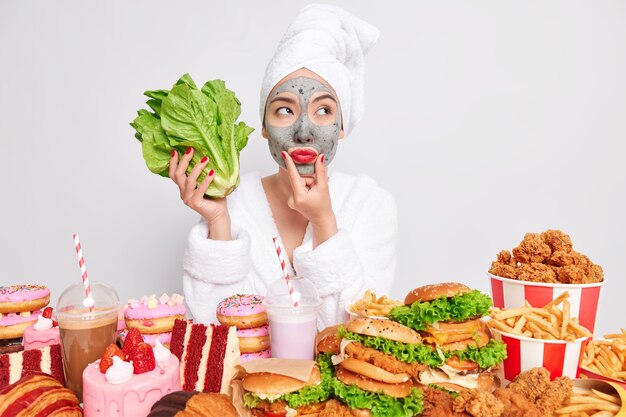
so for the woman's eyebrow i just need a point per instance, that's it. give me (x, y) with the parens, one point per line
(283, 98)
(323, 96)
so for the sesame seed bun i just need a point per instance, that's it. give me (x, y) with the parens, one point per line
(434, 291)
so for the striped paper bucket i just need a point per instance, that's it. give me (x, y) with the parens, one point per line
(559, 357)
(583, 298)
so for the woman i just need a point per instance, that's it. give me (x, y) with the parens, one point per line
(337, 231)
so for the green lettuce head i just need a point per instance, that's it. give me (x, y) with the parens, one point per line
(203, 119)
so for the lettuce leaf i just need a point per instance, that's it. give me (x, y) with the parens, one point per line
(314, 393)
(487, 356)
(458, 308)
(380, 405)
(204, 119)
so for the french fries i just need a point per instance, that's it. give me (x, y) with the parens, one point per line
(369, 305)
(549, 322)
(606, 357)
(590, 402)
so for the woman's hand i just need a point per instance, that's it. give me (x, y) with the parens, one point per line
(311, 198)
(214, 210)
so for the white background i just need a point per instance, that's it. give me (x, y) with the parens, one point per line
(485, 119)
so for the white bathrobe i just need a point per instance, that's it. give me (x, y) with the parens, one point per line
(362, 255)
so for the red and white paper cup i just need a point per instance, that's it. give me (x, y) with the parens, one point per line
(583, 298)
(559, 357)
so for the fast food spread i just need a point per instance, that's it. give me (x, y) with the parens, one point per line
(443, 351)
(546, 257)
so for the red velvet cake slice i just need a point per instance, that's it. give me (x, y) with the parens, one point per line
(15, 365)
(208, 355)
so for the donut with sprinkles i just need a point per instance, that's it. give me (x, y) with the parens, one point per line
(23, 298)
(244, 311)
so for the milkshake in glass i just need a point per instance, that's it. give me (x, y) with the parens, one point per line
(292, 328)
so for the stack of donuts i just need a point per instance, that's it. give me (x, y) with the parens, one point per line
(154, 317)
(247, 313)
(20, 305)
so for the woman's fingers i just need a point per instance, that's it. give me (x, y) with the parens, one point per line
(173, 164)
(294, 176)
(179, 173)
(321, 173)
(204, 185)
(192, 179)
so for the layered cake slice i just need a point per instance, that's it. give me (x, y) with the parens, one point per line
(208, 355)
(15, 365)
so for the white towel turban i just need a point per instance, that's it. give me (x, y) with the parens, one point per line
(332, 43)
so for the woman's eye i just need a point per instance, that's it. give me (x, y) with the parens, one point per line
(323, 111)
(284, 111)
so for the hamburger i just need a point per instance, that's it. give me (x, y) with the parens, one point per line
(448, 318)
(376, 364)
(268, 394)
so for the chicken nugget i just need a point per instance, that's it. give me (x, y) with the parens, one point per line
(536, 272)
(532, 249)
(503, 270)
(556, 393)
(478, 403)
(505, 257)
(557, 240)
(594, 273)
(572, 274)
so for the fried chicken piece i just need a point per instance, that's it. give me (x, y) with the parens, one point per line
(505, 257)
(515, 404)
(595, 273)
(503, 270)
(388, 363)
(572, 274)
(557, 392)
(532, 249)
(536, 272)
(439, 404)
(531, 384)
(334, 408)
(478, 404)
(562, 258)
(557, 240)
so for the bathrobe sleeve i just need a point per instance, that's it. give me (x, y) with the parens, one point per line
(213, 266)
(351, 261)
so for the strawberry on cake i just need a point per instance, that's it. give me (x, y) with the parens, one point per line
(45, 332)
(154, 317)
(127, 382)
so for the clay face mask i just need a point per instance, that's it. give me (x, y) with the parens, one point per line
(303, 132)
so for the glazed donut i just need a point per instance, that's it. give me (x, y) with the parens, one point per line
(253, 340)
(21, 298)
(13, 325)
(247, 357)
(152, 316)
(244, 311)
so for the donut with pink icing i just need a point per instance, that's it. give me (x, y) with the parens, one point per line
(12, 325)
(151, 315)
(164, 338)
(22, 298)
(244, 311)
(264, 354)
(254, 340)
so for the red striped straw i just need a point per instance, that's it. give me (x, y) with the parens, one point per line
(285, 273)
(83, 271)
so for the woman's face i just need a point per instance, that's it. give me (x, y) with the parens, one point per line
(302, 118)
